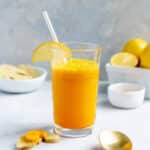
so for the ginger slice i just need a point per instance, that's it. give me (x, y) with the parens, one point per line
(22, 144)
(52, 138)
(29, 70)
(12, 72)
(32, 136)
(43, 134)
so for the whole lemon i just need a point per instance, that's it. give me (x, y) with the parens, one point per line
(135, 46)
(145, 57)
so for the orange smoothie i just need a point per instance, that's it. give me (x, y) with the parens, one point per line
(75, 87)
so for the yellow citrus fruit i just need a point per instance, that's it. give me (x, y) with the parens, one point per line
(145, 57)
(124, 59)
(135, 46)
(50, 50)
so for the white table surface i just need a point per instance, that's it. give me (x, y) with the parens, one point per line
(22, 112)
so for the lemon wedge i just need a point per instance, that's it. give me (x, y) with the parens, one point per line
(135, 46)
(124, 59)
(48, 51)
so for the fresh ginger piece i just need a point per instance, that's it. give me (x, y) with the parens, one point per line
(52, 138)
(32, 136)
(43, 134)
(22, 144)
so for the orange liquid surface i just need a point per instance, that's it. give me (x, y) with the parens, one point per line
(75, 87)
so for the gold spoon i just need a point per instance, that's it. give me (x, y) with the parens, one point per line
(114, 140)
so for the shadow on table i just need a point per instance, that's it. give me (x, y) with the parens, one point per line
(4, 93)
(105, 104)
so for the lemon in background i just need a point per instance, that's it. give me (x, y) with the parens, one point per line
(145, 57)
(135, 46)
(124, 59)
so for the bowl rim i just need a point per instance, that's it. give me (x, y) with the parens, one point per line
(124, 67)
(115, 86)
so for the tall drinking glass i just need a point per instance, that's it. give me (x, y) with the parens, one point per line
(75, 90)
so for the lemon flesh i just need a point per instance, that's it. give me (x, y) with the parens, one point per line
(135, 46)
(50, 50)
(145, 57)
(124, 59)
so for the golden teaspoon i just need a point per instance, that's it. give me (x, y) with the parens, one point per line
(114, 140)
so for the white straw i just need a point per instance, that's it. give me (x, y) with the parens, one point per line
(49, 25)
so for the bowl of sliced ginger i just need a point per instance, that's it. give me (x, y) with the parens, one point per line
(131, 65)
(21, 78)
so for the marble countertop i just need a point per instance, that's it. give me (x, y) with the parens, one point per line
(22, 112)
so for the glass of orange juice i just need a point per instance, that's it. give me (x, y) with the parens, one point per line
(75, 90)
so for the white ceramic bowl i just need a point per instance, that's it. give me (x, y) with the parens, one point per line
(22, 86)
(130, 75)
(126, 95)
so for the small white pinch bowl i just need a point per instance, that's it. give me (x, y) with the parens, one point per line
(23, 86)
(126, 95)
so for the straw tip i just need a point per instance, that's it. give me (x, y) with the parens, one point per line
(44, 12)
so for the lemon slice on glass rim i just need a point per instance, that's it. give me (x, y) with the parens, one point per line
(49, 51)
